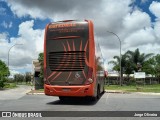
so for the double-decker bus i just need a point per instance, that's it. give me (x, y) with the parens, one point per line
(70, 68)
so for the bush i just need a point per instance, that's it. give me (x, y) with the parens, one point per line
(2, 83)
(10, 85)
(131, 82)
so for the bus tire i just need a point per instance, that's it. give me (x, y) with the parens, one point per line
(95, 98)
(98, 92)
(103, 90)
(62, 98)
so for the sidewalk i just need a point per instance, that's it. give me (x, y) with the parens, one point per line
(35, 92)
(124, 92)
(15, 93)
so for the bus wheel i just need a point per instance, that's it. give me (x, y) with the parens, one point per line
(62, 98)
(98, 92)
(95, 98)
(103, 90)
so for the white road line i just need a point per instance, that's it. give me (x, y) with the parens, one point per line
(107, 97)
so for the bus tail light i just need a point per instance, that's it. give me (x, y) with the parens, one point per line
(90, 80)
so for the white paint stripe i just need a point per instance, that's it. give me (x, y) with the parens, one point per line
(107, 97)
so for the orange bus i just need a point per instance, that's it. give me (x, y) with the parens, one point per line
(69, 60)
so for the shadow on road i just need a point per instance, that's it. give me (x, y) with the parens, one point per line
(75, 101)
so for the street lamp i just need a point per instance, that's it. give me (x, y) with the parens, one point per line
(10, 50)
(119, 55)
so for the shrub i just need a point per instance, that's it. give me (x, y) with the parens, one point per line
(2, 83)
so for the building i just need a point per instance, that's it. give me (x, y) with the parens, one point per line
(38, 83)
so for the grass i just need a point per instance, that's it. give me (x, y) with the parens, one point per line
(136, 88)
(10, 85)
(41, 89)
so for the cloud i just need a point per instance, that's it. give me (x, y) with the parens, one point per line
(27, 46)
(13, 72)
(136, 20)
(155, 8)
(133, 26)
(53, 8)
(140, 37)
(32, 41)
(3, 38)
(2, 11)
(6, 25)
(157, 30)
(143, 1)
(3, 46)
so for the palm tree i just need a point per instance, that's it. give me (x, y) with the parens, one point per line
(137, 59)
(124, 64)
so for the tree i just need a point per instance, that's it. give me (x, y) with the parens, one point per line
(137, 59)
(28, 77)
(149, 66)
(152, 66)
(4, 72)
(41, 58)
(125, 65)
(157, 65)
(19, 78)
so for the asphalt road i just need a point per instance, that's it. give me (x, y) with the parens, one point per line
(107, 102)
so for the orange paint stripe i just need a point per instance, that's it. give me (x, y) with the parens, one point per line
(80, 46)
(84, 74)
(64, 47)
(69, 49)
(74, 49)
(51, 75)
(68, 76)
(85, 49)
(56, 76)
(65, 37)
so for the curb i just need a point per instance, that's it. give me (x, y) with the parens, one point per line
(143, 93)
(116, 91)
(34, 93)
(106, 91)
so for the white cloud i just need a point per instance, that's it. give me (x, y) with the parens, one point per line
(143, 1)
(6, 25)
(140, 37)
(157, 30)
(155, 8)
(137, 20)
(22, 11)
(131, 25)
(13, 72)
(3, 38)
(3, 46)
(10, 24)
(2, 11)
(20, 56)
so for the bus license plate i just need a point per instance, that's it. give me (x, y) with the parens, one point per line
(66, 89)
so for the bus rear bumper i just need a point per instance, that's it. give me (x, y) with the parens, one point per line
(76, 91)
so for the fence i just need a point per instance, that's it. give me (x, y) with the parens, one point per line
(114, 80)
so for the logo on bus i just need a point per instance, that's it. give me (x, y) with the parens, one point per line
(77, 75)
(62, 25)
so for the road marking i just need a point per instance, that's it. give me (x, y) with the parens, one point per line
(107, 97)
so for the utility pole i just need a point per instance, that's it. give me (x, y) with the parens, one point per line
(120, 56)
(9, 52)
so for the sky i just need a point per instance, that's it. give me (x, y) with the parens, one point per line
(22, 22)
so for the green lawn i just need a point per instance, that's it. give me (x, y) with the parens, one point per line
(10, 85)
(138, 88)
